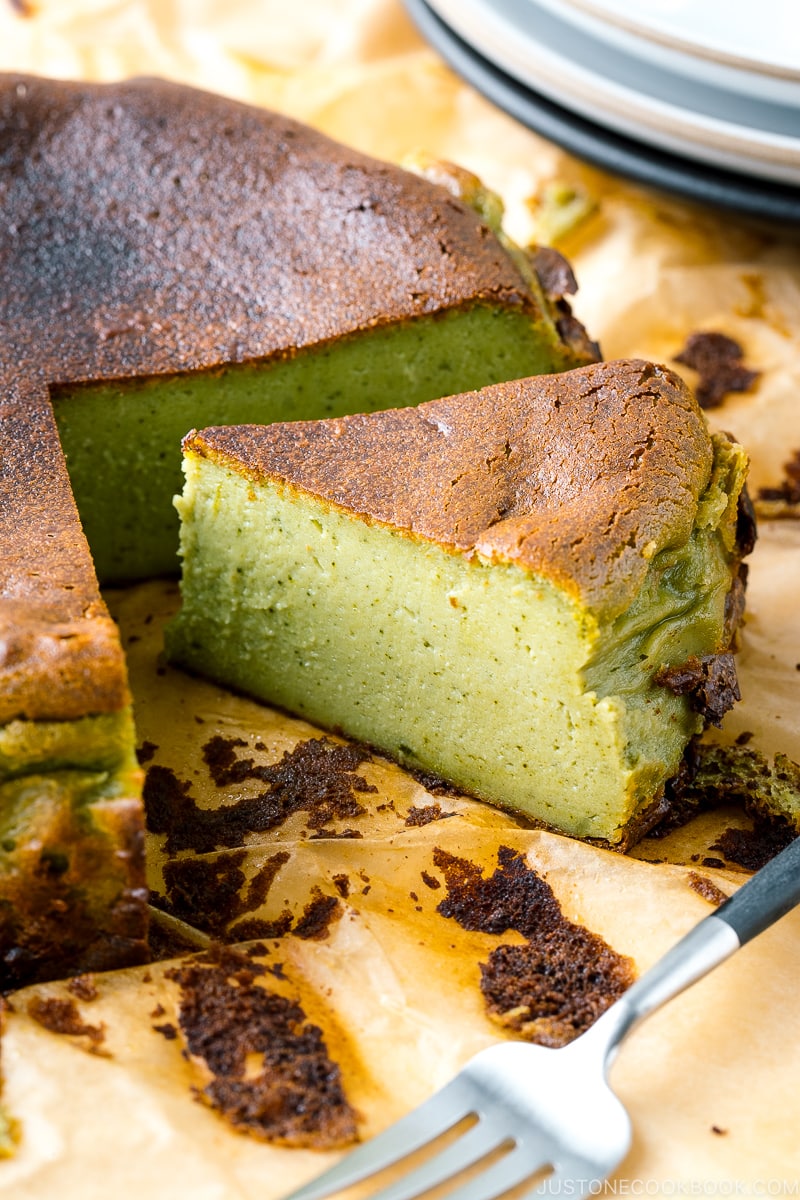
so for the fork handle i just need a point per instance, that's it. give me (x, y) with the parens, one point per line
(766, 897)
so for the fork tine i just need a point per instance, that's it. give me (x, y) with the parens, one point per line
(445, 1109)
(569, 1178)
(501, 1176)
(470, 1148)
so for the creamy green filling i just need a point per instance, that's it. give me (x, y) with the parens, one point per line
(52, 767)
(487, 675)
(124, 482)
(99, 743)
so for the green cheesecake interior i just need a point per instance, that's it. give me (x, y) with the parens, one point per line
(134, 471)
(493, 677)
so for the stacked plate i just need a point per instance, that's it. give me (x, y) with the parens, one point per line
(698, 96)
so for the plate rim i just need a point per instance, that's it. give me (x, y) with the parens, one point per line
(674, 128)
(674, 41)
(605, 148)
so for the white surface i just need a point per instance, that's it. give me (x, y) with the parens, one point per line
(695, 61)
(762, 37)
(603, 84)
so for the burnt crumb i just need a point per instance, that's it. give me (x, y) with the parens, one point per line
(719, 1131)
(712, 862)
(212, 893)
(257, 927)
(706, 888)
(430, 881)
(513, 897)
(219, 755)
(744, 737)
(573, 332)
(788, 491)
(718, 362)
(145, 752)
(342, 885)
(710, 683)
(317, 917)
(296, 1097)
(555, 273)
(712, 776)
(434, 784)
(552, 989)
(84, 987)
(157, 1012)
(735, 607)
(746, 525)
(317, 777)
(62, 1016)
(425, 815)
(167, 1030)
(326, 834)
(753, 848)
(554, 986)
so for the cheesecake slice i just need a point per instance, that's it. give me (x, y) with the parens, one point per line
(496, 587)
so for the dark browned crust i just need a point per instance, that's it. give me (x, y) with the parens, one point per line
(226, 1019)
(710, 682)
(580, 477)
(554, 986)
(317, 776)
(84, 987)
(424, 815)
(784, 500)
(60, 656)
(753, 848)
(212, 892)
(148, 229)
(717, 359)
(318, 915)
(706, 888)
(61, 1015)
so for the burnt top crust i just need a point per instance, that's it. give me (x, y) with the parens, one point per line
(580, 477)
(149, 228)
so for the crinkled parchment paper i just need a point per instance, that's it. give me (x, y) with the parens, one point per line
(711, 1082)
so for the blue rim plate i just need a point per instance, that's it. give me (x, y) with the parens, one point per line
(603, 147)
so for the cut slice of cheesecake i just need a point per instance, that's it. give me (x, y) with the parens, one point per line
(170, 258)
(494, 586)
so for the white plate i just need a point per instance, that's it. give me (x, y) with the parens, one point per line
(609, 87)
(708, 63)
(762, 37)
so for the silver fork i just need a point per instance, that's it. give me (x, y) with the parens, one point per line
(548, 1117)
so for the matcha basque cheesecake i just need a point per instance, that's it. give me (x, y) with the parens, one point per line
(530, 590)
(168, 260)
